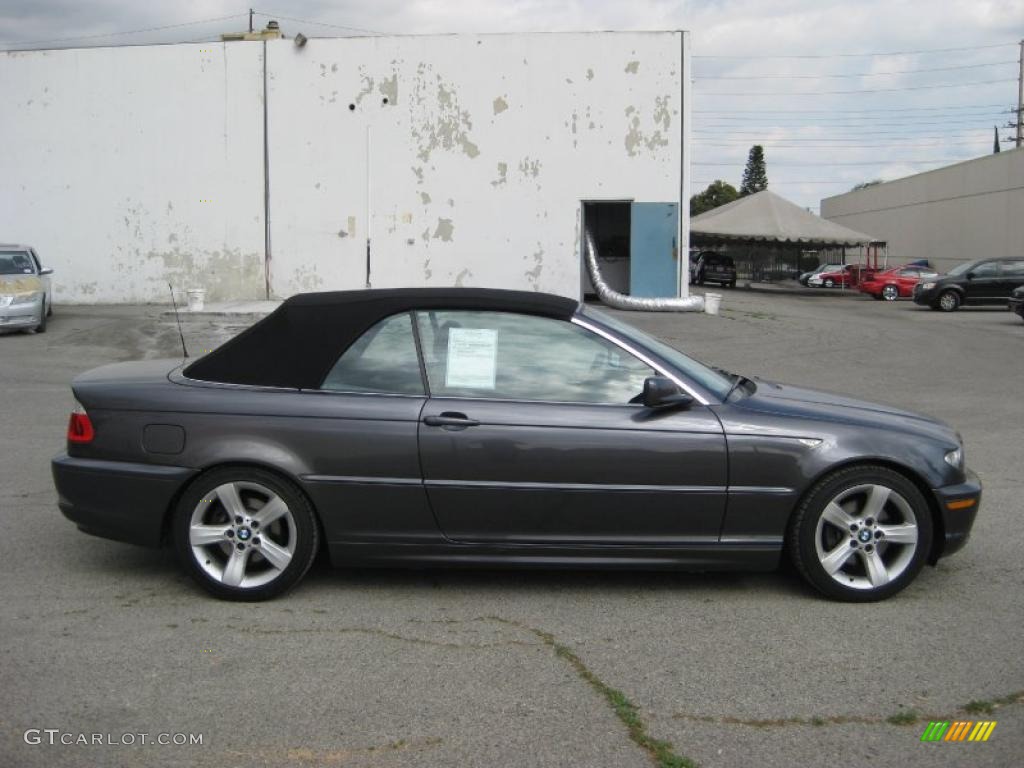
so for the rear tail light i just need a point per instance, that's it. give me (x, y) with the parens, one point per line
(80, 428)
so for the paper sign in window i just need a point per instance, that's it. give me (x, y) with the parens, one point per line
(472, 358)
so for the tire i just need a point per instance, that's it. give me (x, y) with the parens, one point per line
(949, 301)
(866, 563)
(41, 328)
(829, 283)
(890, 293)
(229, 558)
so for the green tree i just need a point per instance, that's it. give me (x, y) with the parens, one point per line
(718, 193)
(866, 184)
(755, 175)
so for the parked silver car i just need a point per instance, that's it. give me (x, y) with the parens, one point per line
(26, 297)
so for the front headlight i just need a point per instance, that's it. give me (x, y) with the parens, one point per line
(25, 298)
(927, 286)
(955, 458)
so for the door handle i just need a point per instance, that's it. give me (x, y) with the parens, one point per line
(450, 419)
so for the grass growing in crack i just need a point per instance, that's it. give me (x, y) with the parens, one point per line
(903, 718)
(660, 751)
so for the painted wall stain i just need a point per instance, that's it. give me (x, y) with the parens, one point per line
(500, 105)
(633, 67)
(227, 274)
(445, 230)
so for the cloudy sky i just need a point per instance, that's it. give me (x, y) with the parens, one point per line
(793, 75)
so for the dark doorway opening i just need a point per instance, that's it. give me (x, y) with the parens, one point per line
(609, 224)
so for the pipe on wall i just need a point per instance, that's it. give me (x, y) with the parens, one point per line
(613, 298)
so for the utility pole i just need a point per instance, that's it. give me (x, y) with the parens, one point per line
(250, 19)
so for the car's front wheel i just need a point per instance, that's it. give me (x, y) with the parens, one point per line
(890, 293)
(245, 533)
(829, 283)
(949, 301)
(861, 534)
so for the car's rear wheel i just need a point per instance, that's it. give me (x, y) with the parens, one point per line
(829, 283)
(861, 534)
(949, 301)
(245, 533)
(890, 293)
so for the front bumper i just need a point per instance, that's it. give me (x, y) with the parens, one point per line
(958, 506)
(117, 499)
(1017, 305)
(925, 297)
(19, 316)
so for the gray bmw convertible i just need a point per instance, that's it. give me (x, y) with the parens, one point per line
(466, 427)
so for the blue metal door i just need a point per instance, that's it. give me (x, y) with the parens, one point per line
(653, 252)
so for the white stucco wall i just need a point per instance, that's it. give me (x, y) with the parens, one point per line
(131, 167)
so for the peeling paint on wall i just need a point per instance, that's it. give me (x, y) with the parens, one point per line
(637, 138)
(445, 230)
(529, 167)
(389, 89)
(461, 277)
(424, 198)
(633, 67)
(442, 122)
(500, 105)
(502, 175)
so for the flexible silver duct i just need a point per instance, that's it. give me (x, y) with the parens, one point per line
(613, 298)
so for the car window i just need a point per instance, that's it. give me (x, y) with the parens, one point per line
(986, 269)
(509, 356)
(1012, 268)
(16, 263)
(383, 360)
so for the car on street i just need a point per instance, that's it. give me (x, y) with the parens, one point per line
(711, 267)
(1017, 301)
(895, 283)
(804, 277)
(974, 283)
(25, 290)
(840, 275)
(475, 427)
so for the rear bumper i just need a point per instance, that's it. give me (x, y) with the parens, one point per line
(957, 522)
(116, 499)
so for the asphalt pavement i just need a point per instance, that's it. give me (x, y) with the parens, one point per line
(475, 668)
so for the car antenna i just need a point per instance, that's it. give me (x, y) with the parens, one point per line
(178, 318)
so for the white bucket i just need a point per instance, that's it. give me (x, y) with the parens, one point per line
(712, 301)
(196, 297)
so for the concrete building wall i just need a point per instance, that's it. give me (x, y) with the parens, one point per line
(131, 167)
(128, 168)
(950, 215)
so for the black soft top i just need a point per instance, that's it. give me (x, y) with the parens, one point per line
(298, 343)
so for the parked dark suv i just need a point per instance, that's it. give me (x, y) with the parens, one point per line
(986, 281)
(711, 267)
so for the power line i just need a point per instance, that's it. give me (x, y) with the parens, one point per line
(862, 55)
(859, 74)
(126, 32)
(867, 90)
(829, 124)
(784, 164)
(777, 182)
(845, 111)
(901, 146)
(317, 23)
(895, 134)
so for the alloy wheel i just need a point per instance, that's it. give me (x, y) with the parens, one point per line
(242, 534)
(866, 536)
(890, 293)
(949, 301)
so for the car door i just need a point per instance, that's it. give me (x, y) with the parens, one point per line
(529, 437)
(1011, 275)
(983, 283)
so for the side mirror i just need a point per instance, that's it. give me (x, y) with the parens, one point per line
(661, 392)
(46, 271)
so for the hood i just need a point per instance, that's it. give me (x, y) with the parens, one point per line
(20, 284)
(798, 402)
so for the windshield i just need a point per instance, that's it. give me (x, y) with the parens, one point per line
(961, 268)
(16, 263)
(711, 379)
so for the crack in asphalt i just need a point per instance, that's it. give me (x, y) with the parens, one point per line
(318, 757)
(379, 633)
(661, 753)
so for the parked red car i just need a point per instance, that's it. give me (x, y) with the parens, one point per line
(848, 275)
(895, 283)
